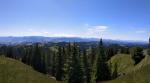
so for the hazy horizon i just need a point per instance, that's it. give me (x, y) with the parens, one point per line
(81, 38)
(117, 20)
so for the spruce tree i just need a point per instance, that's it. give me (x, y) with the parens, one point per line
(93, 55)
(68, 61)
(76, 72)
(60, 65)
(87, 68)
(44, 64)
(37, 59)
(66, 64)
(93, 60)
(103, 71)
(25, 57)
(9, 52)
(148, 51)
(137, 54)
(53, 71)
(149, 41)
(49, 61)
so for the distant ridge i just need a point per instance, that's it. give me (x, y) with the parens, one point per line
(33, 39)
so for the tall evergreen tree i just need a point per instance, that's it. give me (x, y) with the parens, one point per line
(49, 61)
(93, 55)
(110, 52)
(54, 64)
(66, 64)
(93, 59)
(103, 71)
(137, 54)
(37, 59)
(149, 41)
(87, 68)
(76, 72)
(44, 64)
(9, 52)
(30, 54)
(148, 51)
(25, 57)
(60, 65)
(68, 61)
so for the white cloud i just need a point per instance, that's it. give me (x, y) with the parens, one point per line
(63, 35)
(97, 29)
(140, 31)
(45, 32)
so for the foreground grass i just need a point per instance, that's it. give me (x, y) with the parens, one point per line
(13, 71)
(139, 76)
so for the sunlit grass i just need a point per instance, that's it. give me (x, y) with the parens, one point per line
(13, 71)
(139, 73)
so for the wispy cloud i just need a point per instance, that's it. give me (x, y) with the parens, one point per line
(63, 35)
(140, 31)
(97, 29)
(45, 32)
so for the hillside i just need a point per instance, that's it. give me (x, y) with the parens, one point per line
(133, 74)
(13, 71)
(124, 61)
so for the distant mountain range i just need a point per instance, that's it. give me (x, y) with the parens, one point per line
(33, 39)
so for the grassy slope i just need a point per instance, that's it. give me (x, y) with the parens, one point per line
(124, 61)
(13, 71)
(134, 74)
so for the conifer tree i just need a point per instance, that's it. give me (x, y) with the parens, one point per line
(9, 52)
(110, 52)
(66, 64)
(49, 61)
(44, 64)
(149, 41)
(137, 54)
(148, 51)
(31, 53)
(37, 59)
(54, 64)
(87, 68)
(60, 65)
(93, 55)
(93, 59)
(103, 71)
(25, 57)
(68, 61)
(76, 72)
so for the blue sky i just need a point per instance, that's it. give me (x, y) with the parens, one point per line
(110, 19)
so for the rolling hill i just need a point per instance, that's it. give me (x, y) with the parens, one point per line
(133, 74)
(13, 71)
